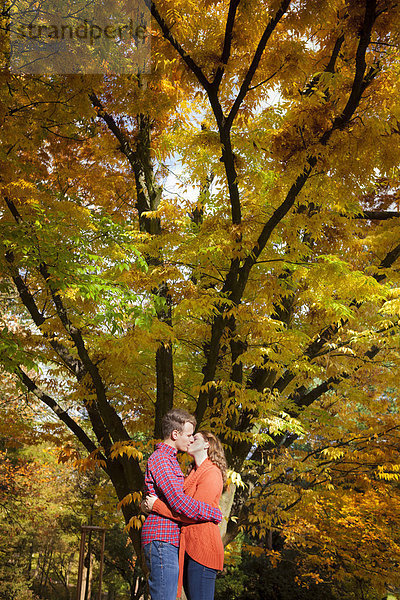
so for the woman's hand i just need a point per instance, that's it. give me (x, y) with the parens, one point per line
(147, 504)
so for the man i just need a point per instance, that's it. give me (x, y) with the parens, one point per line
(164, 478)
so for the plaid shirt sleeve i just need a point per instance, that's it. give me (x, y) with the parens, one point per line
(168, 478)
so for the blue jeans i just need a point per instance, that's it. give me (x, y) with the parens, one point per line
(163, 563)
(198, 580)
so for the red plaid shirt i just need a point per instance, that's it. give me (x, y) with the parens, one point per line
(164, 478)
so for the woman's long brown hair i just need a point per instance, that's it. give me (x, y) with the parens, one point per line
(216, 453)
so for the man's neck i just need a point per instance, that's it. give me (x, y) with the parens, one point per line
(170, 442)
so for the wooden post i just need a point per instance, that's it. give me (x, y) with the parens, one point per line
(85, 529)
(80, 567)
(103, 543)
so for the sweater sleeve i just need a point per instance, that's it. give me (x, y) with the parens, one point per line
(163, 509)
(169, 481)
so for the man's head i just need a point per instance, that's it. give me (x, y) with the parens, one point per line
(178, 427)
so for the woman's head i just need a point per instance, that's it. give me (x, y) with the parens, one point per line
(215, 451)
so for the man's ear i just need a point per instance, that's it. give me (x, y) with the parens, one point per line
(174, 434)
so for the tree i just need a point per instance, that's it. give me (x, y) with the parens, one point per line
(36, 548)
(260, 304)
(42, 506)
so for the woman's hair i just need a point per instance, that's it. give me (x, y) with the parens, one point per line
(216, 453)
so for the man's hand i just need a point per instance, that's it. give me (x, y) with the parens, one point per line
(147, 504)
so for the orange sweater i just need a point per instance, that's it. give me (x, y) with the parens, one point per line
(201, 541)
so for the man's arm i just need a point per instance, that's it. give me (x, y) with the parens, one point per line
(209, 486)
(164, 510)
(171, 486)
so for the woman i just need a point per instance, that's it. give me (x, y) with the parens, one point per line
(201, 552)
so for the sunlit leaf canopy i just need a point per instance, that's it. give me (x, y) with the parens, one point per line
(220, 234)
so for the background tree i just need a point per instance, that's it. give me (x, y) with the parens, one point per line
(268, 303)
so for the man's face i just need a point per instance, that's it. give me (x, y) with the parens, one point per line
(184, 438)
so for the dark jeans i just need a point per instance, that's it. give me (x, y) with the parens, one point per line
(198, 580)
(163, 564)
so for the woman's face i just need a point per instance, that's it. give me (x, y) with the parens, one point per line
(199, 444)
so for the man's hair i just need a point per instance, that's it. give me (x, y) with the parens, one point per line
(176, 419)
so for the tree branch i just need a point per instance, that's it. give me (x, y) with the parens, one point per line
(72, 363)
(377, 215)
(226, 51)
(256, 61)
(331, 330)
(109, 415)
(123, 140)
(56, 408)
(148, 197)
(359, 85)
(196, 70)
(388, 261)
(148, 193)
(361, 80)
(303, 397)
(330, 67)
(271, 224)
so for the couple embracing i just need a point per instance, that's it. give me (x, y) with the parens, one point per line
(181, 541)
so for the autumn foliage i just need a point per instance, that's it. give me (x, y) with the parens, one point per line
(221, 234)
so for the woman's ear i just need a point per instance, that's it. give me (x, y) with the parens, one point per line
(206, 444)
